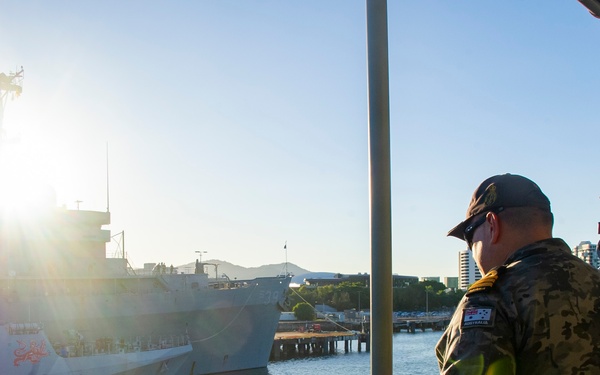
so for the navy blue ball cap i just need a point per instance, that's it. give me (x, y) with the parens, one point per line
(502, 191)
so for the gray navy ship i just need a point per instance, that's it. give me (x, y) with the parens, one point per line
(67, 308)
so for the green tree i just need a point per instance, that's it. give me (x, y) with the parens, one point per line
(348, 295)
(304, 311)
(344, 296)
(303, 294)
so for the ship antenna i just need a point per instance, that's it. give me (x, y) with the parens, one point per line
(10, 83)
(107, 185)
(286, 262)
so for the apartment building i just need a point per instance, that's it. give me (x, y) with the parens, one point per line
(468, 272)
(587, 252)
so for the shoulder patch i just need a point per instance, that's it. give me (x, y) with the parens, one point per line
(478, 317)
(484, 283)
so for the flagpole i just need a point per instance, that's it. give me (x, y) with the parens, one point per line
(286, 269)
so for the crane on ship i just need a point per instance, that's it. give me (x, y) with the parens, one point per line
(10, 86)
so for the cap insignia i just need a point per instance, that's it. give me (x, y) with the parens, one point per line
(491, 196)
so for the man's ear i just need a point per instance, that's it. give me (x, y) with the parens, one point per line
(495, 226)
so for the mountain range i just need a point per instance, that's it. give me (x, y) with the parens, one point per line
(234, 271)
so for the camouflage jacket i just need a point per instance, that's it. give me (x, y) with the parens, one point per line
(539, 313)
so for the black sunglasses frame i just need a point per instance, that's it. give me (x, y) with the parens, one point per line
(470, 230)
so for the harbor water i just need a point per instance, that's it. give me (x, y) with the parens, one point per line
(413, 355)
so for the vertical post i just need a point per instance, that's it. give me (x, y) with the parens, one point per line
(286, 262)
(379, 163)
(107, 183)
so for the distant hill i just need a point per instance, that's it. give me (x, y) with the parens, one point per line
(234, 271)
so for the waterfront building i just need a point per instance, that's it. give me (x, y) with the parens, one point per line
(468, 272)
(588, 252)
(451, 282)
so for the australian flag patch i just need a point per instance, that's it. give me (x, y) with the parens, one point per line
(478, 317)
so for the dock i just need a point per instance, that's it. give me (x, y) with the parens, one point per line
(413, 325)
(406, 324)
(295, 339)
(301, 344)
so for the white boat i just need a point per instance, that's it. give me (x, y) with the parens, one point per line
(30, 351)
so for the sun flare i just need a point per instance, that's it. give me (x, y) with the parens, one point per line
(22, 190)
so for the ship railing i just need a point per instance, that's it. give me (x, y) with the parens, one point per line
(114, 286)
(24, 328)
(105, 346)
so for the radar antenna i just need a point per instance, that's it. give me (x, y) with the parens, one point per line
(10, 85)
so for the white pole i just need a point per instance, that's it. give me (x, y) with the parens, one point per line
(286, 262)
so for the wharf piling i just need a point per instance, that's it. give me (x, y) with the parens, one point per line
(406, 324)
(301, 339)
(301, 344)
(411, 326)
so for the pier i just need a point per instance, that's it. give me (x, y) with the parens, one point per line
(301, 344)
(406, 324)
(414, 325)
(295, 339)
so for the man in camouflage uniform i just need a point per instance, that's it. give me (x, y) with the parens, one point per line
(537, 309)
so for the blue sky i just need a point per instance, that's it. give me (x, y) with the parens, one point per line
(235, 126)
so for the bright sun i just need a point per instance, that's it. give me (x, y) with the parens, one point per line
(22, 188)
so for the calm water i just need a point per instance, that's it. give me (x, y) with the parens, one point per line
(413, 355)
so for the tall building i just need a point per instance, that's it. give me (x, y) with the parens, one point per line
(587, 252)
(468, 272)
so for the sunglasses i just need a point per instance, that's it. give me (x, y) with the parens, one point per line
(470, 230)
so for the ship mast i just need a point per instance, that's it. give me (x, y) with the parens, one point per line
(10, 85)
